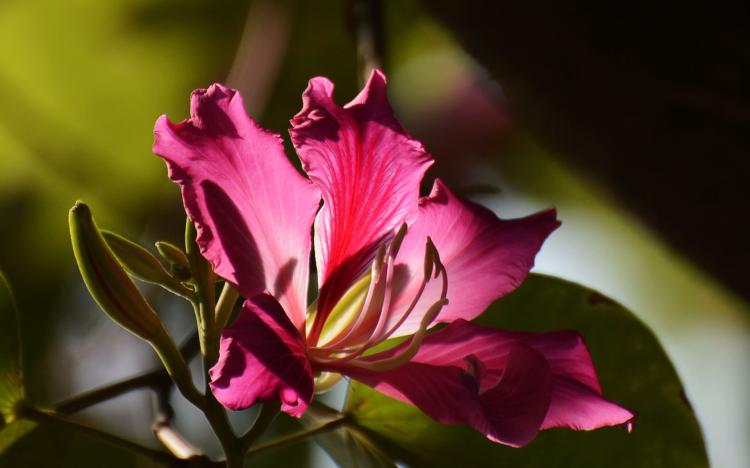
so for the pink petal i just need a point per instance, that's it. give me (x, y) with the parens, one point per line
(510, 370)
(485, 257)
(578, 407)
(252, 209)
(577, 400)
(510, 412)
(368, 170)
(262, 358)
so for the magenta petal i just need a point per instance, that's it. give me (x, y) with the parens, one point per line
(262, 357)
(485, 257)
(510, 411)
(576, 400)
(580, 408)
(515, 406)
(511, 370)
(252, 209)
(368, 170)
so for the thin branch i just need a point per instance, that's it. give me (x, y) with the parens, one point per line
(154, 378)
(268, 412)
(162, 426)
(93, 397)
(52, 419)
(225, 305)
(174, 441)
(366, 18)
(294, 438)
(217, 419)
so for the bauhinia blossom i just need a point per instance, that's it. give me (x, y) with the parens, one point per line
(389, 264)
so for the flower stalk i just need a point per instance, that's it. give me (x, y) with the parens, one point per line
(225, 305)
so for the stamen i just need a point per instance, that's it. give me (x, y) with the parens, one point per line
(374, 335)
(432, 263)
(372, 303)
(411, 350)
(431, 258)
(377, 300)
(345, 311)
(313, 336)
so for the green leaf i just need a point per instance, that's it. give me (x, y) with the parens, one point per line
(12, 432)
(632, 366)
(347, 444)
(11, 377)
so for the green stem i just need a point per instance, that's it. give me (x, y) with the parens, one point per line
(157, 456)
(294, 438)
(268, 412)
(177, 368)
(204, 280)
(217, 419)
(225, 305)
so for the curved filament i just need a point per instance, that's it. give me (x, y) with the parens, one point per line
(433, 266)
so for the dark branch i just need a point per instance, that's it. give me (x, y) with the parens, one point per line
(366, 17)
(157, 378)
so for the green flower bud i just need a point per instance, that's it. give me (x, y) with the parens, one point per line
(136, 260)
(119, 298)
(106, 279)
(142, 264)
(176, 258)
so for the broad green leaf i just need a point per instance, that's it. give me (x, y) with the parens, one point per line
(296, 455)
(347, 444)
(10, 433)
(11, 379)
(634, 371)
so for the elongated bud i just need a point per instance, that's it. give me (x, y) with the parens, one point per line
(142, 264)
(136, 260)
(176, 258)
(118, 296)
(106, 279)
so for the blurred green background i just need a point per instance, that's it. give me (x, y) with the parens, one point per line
(83, 81)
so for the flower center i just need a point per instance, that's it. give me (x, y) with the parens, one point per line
(365, 316)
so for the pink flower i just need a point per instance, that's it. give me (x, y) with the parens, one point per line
(390, 264)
